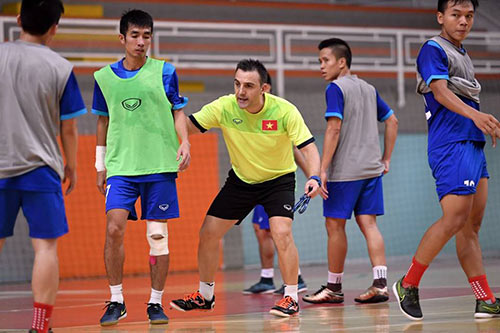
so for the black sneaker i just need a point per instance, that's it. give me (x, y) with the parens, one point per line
(485, 310)
(156, 315)
(114, 312)
(193, 301)
(285, 307)
(408, 300)
(260, 287)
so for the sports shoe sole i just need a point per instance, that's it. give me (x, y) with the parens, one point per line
(374, 299)
(111, 323)
(278, 313)
(158, 321)
(178, 308)
(395, 291)
(261, 293)
(323, 302)
(482, 315)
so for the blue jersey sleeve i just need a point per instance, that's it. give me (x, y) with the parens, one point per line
(99, 106)
(71, 103)
(383, 110)
(171, 84)
(334, 102)
(432, 62)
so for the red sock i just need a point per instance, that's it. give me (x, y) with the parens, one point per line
(41, 316)
(481, 288)
(414, 274)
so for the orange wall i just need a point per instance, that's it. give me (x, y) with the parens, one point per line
(81, 250)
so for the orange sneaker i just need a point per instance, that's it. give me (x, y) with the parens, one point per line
(285, 307)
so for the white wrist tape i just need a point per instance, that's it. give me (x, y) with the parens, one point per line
(100, 157)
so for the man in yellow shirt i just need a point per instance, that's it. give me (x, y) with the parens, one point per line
(259, 130)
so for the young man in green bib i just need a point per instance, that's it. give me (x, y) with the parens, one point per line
(138, 154)
(260, 131)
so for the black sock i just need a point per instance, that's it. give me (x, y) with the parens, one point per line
(335, 287)
(266, 280)
(380, 283)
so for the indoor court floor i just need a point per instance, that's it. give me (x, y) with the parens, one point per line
(446, 300)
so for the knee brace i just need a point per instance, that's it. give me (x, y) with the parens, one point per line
(157, 235)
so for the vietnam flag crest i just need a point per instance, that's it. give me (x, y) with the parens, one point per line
(269, 125)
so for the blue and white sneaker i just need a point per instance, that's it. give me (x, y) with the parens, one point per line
(114, 312)
(156, 315)
(261, 287)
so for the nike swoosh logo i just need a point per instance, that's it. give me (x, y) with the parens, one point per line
(492, 308)
(122, 312)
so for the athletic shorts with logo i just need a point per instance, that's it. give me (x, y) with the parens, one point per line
(363, 197)
(236, 198)
(158, 198)
(457, 167)
(260, 217)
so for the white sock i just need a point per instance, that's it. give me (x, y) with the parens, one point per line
(379, 272)
(292, 291)
(155, 297)
(335, 277)
(116, 293)
(300, 272)
(267, 272)
(207, 290)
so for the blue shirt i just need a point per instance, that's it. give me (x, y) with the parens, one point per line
(335, 104)
(45, 178)
(171, 85)
(445, 126)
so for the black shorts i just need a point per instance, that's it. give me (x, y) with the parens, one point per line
(236, 198)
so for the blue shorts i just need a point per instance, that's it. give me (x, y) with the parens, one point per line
(44, 212)
(457, 167)
(364, 197)
(260, 217)
(158, 199)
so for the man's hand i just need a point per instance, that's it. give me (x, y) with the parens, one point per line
(184, 153)
(101, 181)
(70, 176)
(386, 164)
(311, 188)
(488, 124)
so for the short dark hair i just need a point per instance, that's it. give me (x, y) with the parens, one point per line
(443, 4)
(249, 65)
(339, 47)
(37, 16)
(135, 17)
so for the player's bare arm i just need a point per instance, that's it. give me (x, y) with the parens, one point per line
(102, 132)
(312, 160)
(390, 134)
(181, 127)
(69, 140)
(330, 143)
(300, 160)
(488, 124)
(192, 129)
